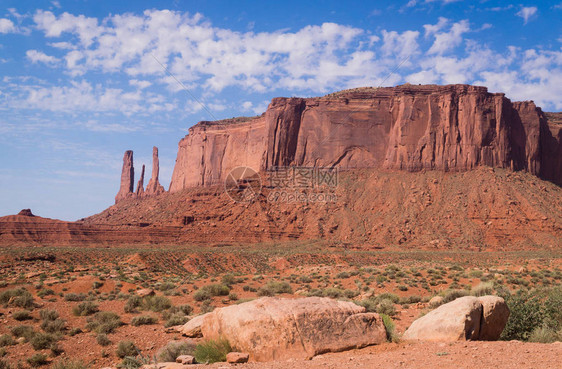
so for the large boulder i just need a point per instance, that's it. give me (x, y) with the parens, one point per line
(494, 317)
(466, 318)
(272, 328)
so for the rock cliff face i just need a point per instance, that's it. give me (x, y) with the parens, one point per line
(140, 184)
(451, 128)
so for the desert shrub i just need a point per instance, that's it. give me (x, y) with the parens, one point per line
(412, 299)
(144, 320)
(75, 297)
(386, 306)
(544, 334)
(166, 286)
(553, 309)
(389, 296)
(202, 295)
(69, 364)
(19, 297)
(104, 322)
(483, 289)
(274, 288)
(37, 360)
(133, 302)
(56, 349)
(130, 362)
(53, 326)
(173, 349)
(48, 314)
(5, 365)
(74, 331)
(212, 351)
(97, 284)
(126, 348)
(389, 327)
(156, 303)
(24, 331)
(525, 315)
(103, 340)
(6, 340)
(177, 310)
(85, 308)
(176, 319)
(451, 295)
(22, 315)
(42, 341)
(232, 296)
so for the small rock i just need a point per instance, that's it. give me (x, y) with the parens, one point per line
(145, 292)
(185, 359)
(237, 357)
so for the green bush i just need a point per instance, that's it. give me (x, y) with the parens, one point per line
(19, 297)
(156, 303)
(176, 319)
(451, 295)
(42, 341)
(386, 307)
(389, 327)
(5, 365)
(22, 315)
(69, 364)
(75, 297)
(173, 349)
(104, 322)
(37, 360)
(48, 314)
(24, 331)
(132, 304)
(6, 340)
(212, 351)
(483, 289)
(544, 334)
(126, 348)
(144, 320)
(103, 340)
(85, 308)
(273, 288)
(53, 326)
(525, 315)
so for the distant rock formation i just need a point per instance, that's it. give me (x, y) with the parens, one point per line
(408, 127)
(127, 178)
(140, 185)
(26, 213)
(154, 187)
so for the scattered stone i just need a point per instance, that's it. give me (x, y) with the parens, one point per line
(237, 357)
(185, 359)
(145, 292)
(193, 327)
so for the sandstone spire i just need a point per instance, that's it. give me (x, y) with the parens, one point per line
(154, 187)
(140, 184)
(127, 177)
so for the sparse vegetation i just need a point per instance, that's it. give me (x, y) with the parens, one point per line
(173, 349)
(212, 351)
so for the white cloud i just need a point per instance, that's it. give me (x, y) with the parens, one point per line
(445, 41)
(7, 26)
(527, 12)
(142, 84)
(38, 56)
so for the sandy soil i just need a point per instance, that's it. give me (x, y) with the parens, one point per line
(458, 355)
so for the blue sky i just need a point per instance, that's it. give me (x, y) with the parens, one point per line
(81, 82)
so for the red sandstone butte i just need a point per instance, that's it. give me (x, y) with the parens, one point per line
(140, 185)
(450, 128)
